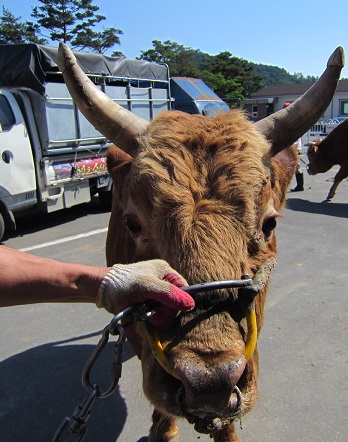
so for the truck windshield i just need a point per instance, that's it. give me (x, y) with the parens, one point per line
(211, 108)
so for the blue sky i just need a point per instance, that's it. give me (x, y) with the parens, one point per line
(298, 35)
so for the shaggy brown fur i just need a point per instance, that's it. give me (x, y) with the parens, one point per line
(206, 194)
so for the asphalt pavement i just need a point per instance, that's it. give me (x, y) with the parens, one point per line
(303, 380)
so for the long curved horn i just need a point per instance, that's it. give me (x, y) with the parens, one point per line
(287, 125)
(119, 125)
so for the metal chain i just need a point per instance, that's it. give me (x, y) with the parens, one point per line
(116, 370)
(74, 428)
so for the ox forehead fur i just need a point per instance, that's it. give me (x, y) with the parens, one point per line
(205, 178)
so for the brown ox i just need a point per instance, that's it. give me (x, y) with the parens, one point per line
(323, 155)
(204, 194)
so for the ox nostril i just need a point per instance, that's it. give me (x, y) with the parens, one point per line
(206, 382)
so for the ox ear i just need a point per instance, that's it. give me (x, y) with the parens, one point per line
(283, 167)
(116, 159)
(287, 125)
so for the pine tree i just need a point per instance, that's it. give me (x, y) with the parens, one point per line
(96, 41)
(73, 21)
(12, 30)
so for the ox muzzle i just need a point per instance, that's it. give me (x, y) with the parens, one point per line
(310, 169)
(248, 289)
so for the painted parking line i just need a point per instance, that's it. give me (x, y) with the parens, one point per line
(67, 239)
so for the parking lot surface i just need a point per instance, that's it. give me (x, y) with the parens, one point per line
(303, 345)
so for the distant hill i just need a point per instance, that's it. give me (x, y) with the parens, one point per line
(275, 75)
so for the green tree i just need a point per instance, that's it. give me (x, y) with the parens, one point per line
(230, 77)
(14, 31)
(300, 78)
(97, 41)
(237, 69)
(73, 21)
(228, 89)
(179, 59)
(275, 75)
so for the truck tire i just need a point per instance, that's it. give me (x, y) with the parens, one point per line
(2, 226)
(105, 198)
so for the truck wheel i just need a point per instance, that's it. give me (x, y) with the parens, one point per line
(2, 226)
(105, 198)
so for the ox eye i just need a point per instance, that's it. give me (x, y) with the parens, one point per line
(268, 226)
(133, 226)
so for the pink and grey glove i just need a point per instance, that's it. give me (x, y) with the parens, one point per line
(130, 284)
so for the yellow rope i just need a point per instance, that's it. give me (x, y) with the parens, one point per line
(251, 340)
(159, 352)
(162, 358)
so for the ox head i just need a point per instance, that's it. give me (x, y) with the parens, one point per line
(316, 163)
(204, 194)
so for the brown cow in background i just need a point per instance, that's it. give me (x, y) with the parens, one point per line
(204, 194)
(325, 154)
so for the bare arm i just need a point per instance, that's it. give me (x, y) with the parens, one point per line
(29, 279)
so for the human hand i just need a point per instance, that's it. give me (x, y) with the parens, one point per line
(130, 284)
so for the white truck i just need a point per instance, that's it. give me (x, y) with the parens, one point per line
(51, 157)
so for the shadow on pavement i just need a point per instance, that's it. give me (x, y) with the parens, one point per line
(323, 208)
(42, 385)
